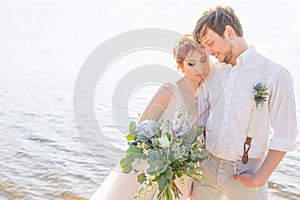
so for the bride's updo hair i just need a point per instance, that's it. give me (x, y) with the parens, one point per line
(183, 48)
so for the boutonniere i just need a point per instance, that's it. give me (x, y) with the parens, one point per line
(260, 93)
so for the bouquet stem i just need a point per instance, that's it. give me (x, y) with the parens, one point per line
(171, 191)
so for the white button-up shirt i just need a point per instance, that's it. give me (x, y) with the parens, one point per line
(228, 91)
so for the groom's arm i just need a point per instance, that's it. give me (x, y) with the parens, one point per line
(261, 177)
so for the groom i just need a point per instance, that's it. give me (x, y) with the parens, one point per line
(246, 140)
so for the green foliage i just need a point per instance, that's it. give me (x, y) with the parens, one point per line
(132, 150)
(130, 137)
(141, 178)
(158, 156)
(132, 128)
(169, 136)
(169, 173)
(162, 183)
(125, 164)
(142, 139)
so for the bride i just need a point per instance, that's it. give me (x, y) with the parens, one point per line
(194, 64)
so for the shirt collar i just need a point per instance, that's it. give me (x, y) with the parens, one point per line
(246, 56)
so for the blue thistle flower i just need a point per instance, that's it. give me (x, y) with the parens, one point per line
(260, 93)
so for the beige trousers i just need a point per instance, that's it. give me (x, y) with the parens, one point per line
(216, 183)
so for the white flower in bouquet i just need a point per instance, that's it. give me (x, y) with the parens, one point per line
(140, 165)
(181, 122)
(164, 141)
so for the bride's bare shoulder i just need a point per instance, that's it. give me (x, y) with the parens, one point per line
(165, 91)
(159, 103)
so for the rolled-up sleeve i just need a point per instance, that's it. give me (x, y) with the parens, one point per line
(283, 112)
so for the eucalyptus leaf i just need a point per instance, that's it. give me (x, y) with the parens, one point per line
(141, 178)
(163, 169)
(132, 128)
(142, 139)
(190, 137)
(169, 173)
(130, 137)
(162, 183)
(127, 160)
(155, 166)
(127, 169)
(133, 149)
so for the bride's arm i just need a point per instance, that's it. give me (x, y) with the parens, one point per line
(158, 104)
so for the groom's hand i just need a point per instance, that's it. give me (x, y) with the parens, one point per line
(249, 180)
(270, 163)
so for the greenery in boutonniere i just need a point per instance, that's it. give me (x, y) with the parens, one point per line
(260, 93)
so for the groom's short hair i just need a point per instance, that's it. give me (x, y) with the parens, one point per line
(217, 19)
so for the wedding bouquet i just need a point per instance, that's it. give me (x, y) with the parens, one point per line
(161, 152)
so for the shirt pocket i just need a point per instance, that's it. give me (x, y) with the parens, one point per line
(245, 105)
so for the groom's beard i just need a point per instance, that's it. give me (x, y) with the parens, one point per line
(228, 55)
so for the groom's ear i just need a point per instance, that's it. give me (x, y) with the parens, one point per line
(229, 32)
